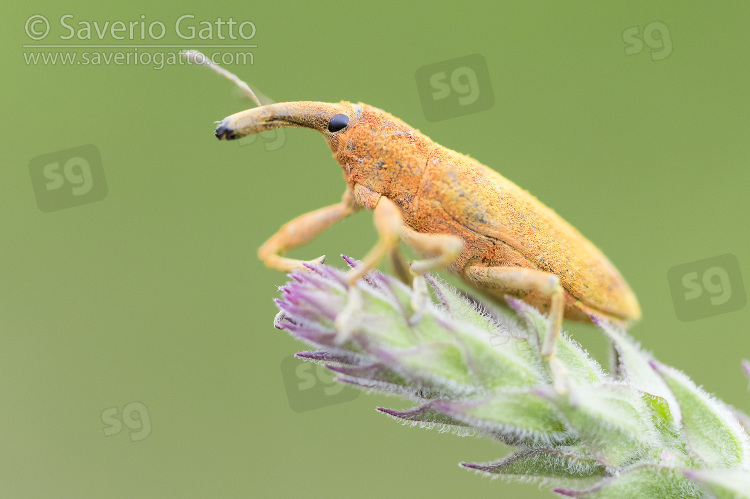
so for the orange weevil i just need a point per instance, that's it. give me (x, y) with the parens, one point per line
(459, 214)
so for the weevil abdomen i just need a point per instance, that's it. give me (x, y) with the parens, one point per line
(504, 225)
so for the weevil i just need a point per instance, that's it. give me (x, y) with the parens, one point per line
(459, 214)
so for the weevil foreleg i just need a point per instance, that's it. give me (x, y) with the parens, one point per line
(302, 230)
(528, 280)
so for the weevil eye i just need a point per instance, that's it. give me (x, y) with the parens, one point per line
(338, 122)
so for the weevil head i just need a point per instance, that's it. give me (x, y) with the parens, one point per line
(329, 119)
(374, 148)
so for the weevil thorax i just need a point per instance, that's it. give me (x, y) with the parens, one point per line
(381, 152)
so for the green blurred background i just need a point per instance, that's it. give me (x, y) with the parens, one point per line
(154, 294)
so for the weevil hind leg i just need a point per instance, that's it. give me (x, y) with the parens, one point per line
(302, 230)
(528, 280)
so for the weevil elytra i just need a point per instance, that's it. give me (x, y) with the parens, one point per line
(459, 214)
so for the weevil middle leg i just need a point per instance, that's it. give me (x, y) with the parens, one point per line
(388, 222)
(392, 230)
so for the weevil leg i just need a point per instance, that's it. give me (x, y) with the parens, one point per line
(302, 230)
(391, 228)
(528, 280)
(447, 248)
(388, 222)
(401, 267)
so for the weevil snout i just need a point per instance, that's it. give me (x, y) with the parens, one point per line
(328, 119)
(225, 132)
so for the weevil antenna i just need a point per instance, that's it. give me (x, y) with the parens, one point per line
(200, 58)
